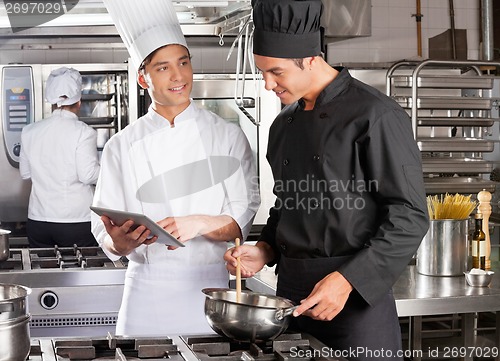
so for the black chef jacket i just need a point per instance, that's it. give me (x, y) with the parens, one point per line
(348, 181)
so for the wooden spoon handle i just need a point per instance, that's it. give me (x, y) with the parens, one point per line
(238, 274)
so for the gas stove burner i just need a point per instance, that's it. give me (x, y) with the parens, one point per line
(14, 262)
(69, 257)
(178, 348)
(284, 347)
(116, 348)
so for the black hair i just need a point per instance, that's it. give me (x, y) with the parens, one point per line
(147, 59)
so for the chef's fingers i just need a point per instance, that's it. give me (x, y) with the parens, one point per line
(114, 229)
(239, 251)
(139, 234)
(323, 311)
(230, 257)
(231, 261)
(107, 223)
(150, 240)
(168, 224)
(175, 233)
(305, 305)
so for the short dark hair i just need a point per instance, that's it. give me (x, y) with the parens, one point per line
(147, 59)
(299, 63)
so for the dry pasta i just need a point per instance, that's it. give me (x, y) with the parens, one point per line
(457, 206)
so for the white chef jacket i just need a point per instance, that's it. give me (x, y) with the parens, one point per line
(164, 284)
(60, 156)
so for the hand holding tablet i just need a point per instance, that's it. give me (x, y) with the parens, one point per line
(120, 217)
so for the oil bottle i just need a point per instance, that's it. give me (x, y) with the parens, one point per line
(479, 244)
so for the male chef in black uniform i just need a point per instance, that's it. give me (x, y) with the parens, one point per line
(350, 209)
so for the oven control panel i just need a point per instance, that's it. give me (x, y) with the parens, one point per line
(18, 108)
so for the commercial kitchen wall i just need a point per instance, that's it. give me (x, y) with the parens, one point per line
(394, 31)
(394, 37)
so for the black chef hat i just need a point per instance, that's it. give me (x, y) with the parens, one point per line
(287, 28)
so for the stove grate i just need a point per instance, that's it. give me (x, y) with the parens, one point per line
(289, 346)
(117, 348)
(69, 257)
(14, 262)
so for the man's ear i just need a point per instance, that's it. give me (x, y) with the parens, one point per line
(309, 61)
(141, 80)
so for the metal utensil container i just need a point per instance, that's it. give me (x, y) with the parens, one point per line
(13, 301)
(15, 339)
(443, 251)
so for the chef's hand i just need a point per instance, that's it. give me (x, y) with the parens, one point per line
(183, 228)
(252, 258)
(215, 228)
(327, 298)
(125, 237)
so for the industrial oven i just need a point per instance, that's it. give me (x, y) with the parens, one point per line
(104, 107)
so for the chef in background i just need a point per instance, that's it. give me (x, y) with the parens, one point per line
(350, 209)
(59, 155)
(184, 167)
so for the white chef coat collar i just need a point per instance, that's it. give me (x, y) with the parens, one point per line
(65, 113)
(186, 114)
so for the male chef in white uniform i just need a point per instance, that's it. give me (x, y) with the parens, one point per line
(176, 164)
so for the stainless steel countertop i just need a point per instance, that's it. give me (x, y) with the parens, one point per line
(419, 295)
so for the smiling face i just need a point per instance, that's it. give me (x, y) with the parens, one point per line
(285, 78)
(169, 80)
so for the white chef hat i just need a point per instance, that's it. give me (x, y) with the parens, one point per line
(64, 86)
(145, 26)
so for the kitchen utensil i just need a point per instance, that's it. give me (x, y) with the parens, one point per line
(238, 274)
(13, 301)
(4, 244)
(258, 317)
(479, 279)
(15, 339)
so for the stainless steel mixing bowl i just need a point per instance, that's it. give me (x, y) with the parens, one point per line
(479, 279)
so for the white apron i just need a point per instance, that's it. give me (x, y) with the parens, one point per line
(167, 300)
(162, 294)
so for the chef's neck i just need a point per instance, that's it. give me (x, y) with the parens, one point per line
(322, 75)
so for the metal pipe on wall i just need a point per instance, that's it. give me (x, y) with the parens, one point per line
(418, 18)
(452, 26)
(487, 29)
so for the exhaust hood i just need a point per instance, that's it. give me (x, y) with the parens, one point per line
(90, 18)
(342, 19)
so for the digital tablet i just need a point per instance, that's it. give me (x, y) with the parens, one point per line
(120, 217)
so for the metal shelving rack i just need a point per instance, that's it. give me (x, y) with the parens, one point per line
(453, 108)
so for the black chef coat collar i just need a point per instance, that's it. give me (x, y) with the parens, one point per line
(333, 89)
